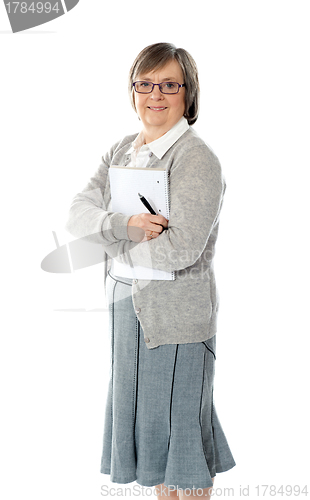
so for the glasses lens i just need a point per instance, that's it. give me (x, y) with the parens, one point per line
(169, 88)
(143, 87)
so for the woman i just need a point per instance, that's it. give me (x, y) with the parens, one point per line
(161, 427)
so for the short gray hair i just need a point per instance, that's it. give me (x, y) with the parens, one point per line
(155, 57)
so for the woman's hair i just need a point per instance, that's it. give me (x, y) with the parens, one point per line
(155, 57)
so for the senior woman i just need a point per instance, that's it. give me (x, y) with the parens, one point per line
(161, 427)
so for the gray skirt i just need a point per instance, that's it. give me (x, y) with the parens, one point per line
(160, 425)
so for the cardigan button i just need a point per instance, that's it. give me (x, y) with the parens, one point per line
(146, 339)
(137, 310)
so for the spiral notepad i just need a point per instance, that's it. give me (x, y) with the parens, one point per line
(126, 183)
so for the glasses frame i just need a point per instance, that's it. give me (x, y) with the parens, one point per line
(159, 84)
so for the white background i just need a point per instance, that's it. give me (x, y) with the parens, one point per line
(59, 115)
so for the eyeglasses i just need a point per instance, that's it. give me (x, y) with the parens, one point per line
(164, 87)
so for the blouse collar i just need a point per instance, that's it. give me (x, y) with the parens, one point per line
(160, 146)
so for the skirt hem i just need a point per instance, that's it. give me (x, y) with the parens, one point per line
(141, 482)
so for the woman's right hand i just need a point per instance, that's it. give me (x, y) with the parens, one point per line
(152, 225)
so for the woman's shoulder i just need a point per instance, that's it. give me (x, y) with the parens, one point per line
(191, 142)
(125, 142)
(119, 148)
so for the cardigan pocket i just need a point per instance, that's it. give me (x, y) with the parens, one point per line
(110, 288)
(210, 344)
(119, 279)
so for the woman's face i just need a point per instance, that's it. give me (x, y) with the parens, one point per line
(160, 112)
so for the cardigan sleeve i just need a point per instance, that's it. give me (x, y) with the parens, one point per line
(89, 217)
(196, 194)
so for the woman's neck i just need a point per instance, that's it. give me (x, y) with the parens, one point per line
(153, 135)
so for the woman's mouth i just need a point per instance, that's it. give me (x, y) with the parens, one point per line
(157, 108)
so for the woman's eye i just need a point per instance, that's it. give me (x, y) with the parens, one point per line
(145, 84)
(170, 86)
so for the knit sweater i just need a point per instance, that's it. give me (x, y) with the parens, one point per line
(177, 311)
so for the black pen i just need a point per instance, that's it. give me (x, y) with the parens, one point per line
(148, 206)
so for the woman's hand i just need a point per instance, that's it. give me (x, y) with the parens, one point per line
(150, 225)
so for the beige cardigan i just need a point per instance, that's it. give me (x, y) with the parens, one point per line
(177, 311)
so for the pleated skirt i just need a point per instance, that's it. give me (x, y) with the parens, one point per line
(161, 425)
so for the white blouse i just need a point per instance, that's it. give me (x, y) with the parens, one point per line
(141, 152)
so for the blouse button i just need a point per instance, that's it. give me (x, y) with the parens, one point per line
(137, 310)
(150, 154)
(146, 340)
(135, 281)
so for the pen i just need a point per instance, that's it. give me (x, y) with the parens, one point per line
(148, 206)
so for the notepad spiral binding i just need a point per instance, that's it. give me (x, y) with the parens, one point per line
(168, 203)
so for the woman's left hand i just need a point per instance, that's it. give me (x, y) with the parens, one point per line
(152, 225)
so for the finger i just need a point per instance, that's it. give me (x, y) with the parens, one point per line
(164, 225)
(156, 233)
(151, 235)
(159, 219)
(156, 228)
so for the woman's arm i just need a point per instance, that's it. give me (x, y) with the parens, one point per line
(89, 216)
(196, 193)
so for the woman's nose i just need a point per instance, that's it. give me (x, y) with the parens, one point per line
(156, 93)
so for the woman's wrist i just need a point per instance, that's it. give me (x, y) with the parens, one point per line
(119, 223)
(134, 232)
